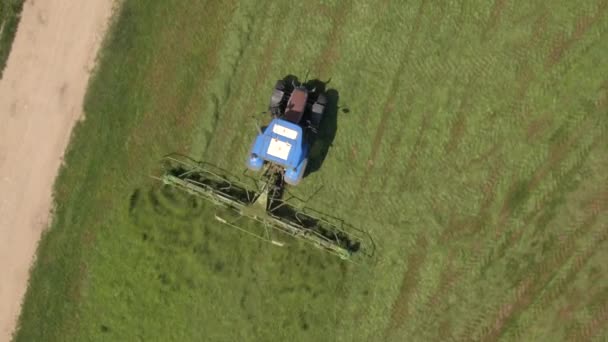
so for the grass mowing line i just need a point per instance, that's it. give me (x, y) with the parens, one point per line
(244, 19)
(502, 316)
(593, 328)
(459, 124)
(530, 288)
(387, 167)
(400, 307)
(541, 212)
(555, 290)
(494, 20)
(10, 14)
(561, 44)
(563, 253)
(520, 191)
(389, 104)
(459, 228)
(242, 117)
(329, 55)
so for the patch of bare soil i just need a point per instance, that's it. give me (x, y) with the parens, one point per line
(41, 97)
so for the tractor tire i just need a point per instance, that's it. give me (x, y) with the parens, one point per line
(276, 98)
(322, 99)
(280, 85)
(317, 113)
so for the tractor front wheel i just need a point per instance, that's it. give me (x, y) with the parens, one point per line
(276, 99)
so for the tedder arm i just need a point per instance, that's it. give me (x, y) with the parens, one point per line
(264, 205)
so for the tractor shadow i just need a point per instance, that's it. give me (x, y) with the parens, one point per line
(324, 138)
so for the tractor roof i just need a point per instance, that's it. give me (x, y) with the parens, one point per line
(281, 143)
(296, 105)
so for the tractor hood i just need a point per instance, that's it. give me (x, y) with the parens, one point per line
(281, 143)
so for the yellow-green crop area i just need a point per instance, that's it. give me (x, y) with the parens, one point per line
(470, 141)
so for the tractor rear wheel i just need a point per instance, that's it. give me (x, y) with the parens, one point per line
(322, 99)
(280, 85)
(318, 108)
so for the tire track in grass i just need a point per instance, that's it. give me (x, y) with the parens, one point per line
(400, 307)
(555, 291)
(461, 227)
(387, 167)
(419, 145)
(315, 9)
(592, 329)
(596, 205)
(601, 103)
(458, 128)
(562, 44)
(566, 247)
(538, 126)
(540, 275)
(520, 191)
(546, 207)
(260, 75)
(494, 19)
(242, 38)
(163, 71)
(336, 15)
(562, 184)
(485, 156)
(381, 11)
(330, 53)
(389, 104)
(437, 302)
(420, 142)
(526, 53)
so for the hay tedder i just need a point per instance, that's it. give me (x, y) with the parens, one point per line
(279, 155)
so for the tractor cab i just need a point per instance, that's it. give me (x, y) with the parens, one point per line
(282, 144)
(296, 111)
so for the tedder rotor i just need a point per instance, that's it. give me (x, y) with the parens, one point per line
(280, 154)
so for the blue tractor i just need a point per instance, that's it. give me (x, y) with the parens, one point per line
(282, 150)
(284, 145)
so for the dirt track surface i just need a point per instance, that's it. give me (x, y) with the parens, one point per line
(41, 97)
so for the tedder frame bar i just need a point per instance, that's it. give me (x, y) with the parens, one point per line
(263, 205)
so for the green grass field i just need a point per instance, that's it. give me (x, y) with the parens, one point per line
(10, 12)
(471, 142)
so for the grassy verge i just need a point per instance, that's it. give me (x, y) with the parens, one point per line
(10, 12)
(473, 150)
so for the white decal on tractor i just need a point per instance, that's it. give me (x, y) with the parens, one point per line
(279, 149)
(284, 131)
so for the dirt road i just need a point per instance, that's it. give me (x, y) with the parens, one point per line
(41, 97)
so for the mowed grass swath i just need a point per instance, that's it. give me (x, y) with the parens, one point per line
(470, 142)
